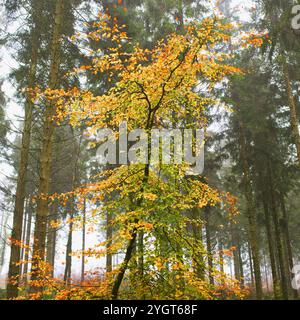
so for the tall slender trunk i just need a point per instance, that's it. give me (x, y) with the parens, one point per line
(221, 255)
(251, 265)
(140, 248)
(3, 238)
(180, 16)
(287, 242)
(209, 245)
(27, 240)
(241, 264)
(2, 241)
(266, 273)
(198, 258)
(278, 237)
(109, 234)
(134, 234)
(68, 265)
(123, 268)
(51, 239)
(23, 242)
(14, 267)
(251, 212)
(293, 108)
(276, 285)
(83, 243)
(221, 262)
(46, 151)
(236, 258)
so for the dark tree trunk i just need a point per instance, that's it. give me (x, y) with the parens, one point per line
(123, 268)
(15, 254)
(39, 245)
(140, 247)
(221, 255)
(278, 239)
(276, 284)
(287, 242)
(251, 212)
(68, 265)
(83, 243)
(293, 108)
(109, 235)
(209, 245)
(28, 236)
(198, 259)
(241, 264)
(266, 274)
(251, 265)
(51, 238)
(3, 239)
(23, 242)
(236, 258)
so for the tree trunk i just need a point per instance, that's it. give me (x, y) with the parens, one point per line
(14, 268)
(46, 151)
(123, 268)
(68, 266)
(287, 242)
(27, 241)
(109, 234)
(140, 248)
(251, 265)
(278, 237)
(221, 262)
(51, 239)
(221, 255)
(236, 258)
(209, 246)
(23, 242)
(3, 239)
(251, 213)
(134, 234)
(198, 258)
(83, 243)
(276, 285)
(293, 108)
(266, 274)
(240, 262)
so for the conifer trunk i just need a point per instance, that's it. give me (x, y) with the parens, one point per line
(46, 151)
(240, 262)
(198, 258)
(51, 239)
(276, 285)
(251, 265)
(68, 265)
(109, 234)
(83, 243)
(278, 237)
(15, 254)
(23, 242)
(293, 109)
(287, 242)
(251, 213)
(236, 258)
(209, 245)
(27, 240)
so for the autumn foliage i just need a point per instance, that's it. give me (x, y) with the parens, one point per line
(152, 208)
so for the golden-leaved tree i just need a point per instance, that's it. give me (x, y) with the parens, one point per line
(153, 207)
